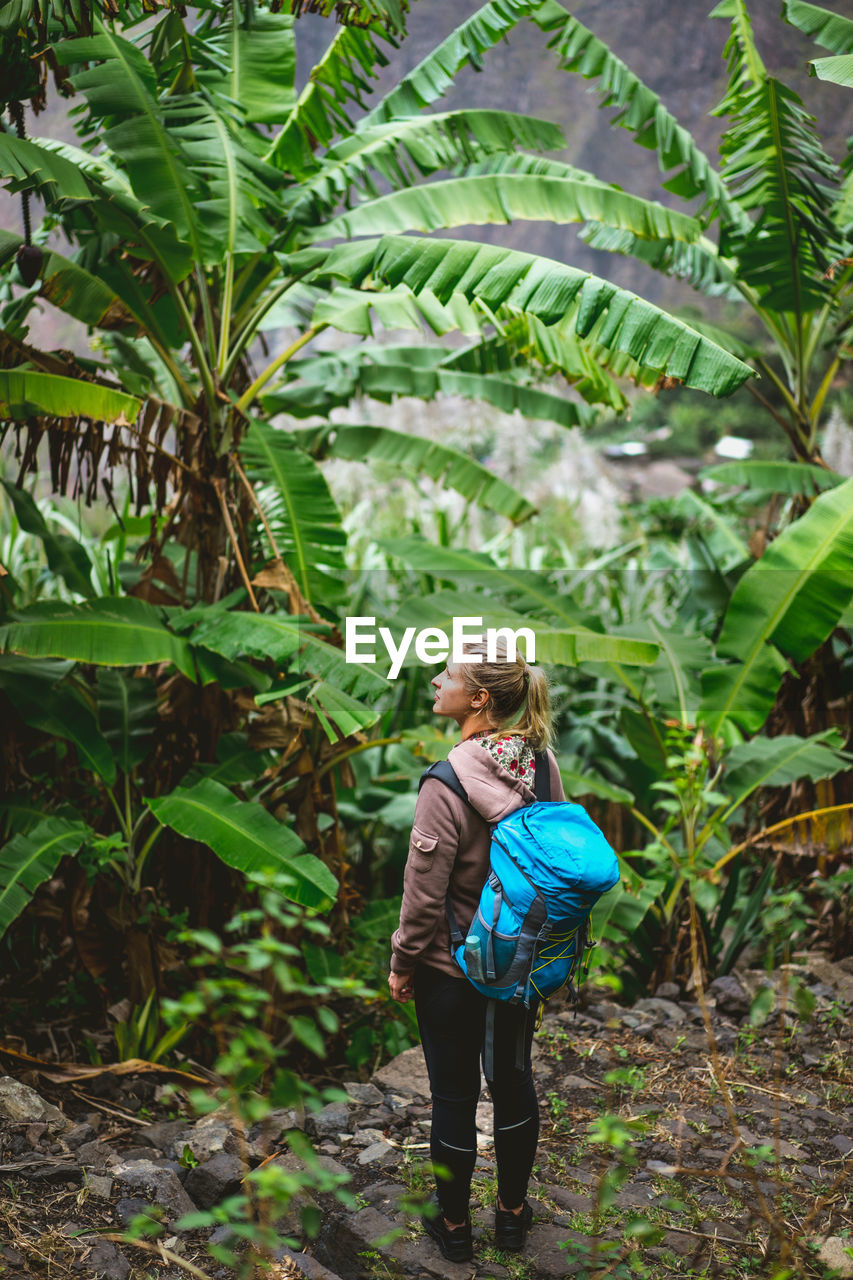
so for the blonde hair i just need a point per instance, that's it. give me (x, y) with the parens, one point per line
(512, 686)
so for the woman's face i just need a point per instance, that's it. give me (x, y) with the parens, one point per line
(451, 696)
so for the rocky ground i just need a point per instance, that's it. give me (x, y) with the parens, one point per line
(664, 1152)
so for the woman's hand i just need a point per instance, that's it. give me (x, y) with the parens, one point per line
(400, 986)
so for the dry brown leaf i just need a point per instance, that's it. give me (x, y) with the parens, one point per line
(68, 1072)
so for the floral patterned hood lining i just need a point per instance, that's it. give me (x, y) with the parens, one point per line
(513, 752)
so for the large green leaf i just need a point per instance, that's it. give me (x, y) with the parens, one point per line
(536, 595)
(795, 478)
(497, 198)
(448, 272)
(450, 467)
(838, 70)
(47, 702)
(30, 858)
(299, 506)
(71, 288)
(120, 87)
(777, 168)
(66, 557)
(339, 714)
(563, 645)
(110, 632)
(283, 639)
(23, 393)
(788, 603)
(127, 713)
(247, 837)
(334, 383)
(233, 188)
(403, 151)
(257, 63)
(24, 165)
(832, 30)
(777, 762)
(638, 108)
(340, 79)
(435, 74)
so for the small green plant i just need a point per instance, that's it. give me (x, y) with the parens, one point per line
(257, 1002)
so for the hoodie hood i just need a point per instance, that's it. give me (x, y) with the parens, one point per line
(491, 789)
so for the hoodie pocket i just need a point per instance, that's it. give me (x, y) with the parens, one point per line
(421, 848)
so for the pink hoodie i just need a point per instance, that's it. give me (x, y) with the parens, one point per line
(449, 852)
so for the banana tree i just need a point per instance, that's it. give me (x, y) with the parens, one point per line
(200, 203)
(777, 217)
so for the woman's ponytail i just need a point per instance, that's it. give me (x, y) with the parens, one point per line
(514, 687)
(535, 722)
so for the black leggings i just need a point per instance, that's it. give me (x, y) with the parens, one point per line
(451, 1017)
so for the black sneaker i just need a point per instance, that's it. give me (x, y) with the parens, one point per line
(455, 1245)
(511, 1228)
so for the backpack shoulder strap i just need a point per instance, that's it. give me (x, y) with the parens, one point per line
(542, 782)
(443, 770)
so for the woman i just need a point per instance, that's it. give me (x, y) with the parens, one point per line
(448, 862)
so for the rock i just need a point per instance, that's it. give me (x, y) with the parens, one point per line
(730, 996)
(549, 1257)
(268, 1135)
(406, 1074)
(305, 1265)
(381, 1154)
(835, 1252)
(366, 1137)
(667, 991)
(96, 1155)
(367, 1095)
(209, 1183)
(163, 1136)
(842, 1143)
(104, 1262)
(130, 1207)
(578, 1082)
(333, 1119)
(345, 1236)
(572, 1201)
(78, 1134)
(159, 1186)
(655, 1005)
(100, 1186)
(35, 1133)
(207, 1137)
(22, 1105)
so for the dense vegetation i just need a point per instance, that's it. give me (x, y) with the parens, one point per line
(181, 732)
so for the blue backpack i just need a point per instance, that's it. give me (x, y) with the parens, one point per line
(548, 865)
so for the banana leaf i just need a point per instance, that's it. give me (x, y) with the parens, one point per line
(482, 199)
(299, 506)
(449, 271)
(832, 30)
(837, 70)
(245, 836)
(127, 714)
(25, 393)
(453, 469)
(66, 557)
(788, 603)
(777, 762)
(110, 632)
(794, 478)
(30, 858)
(285, 640)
